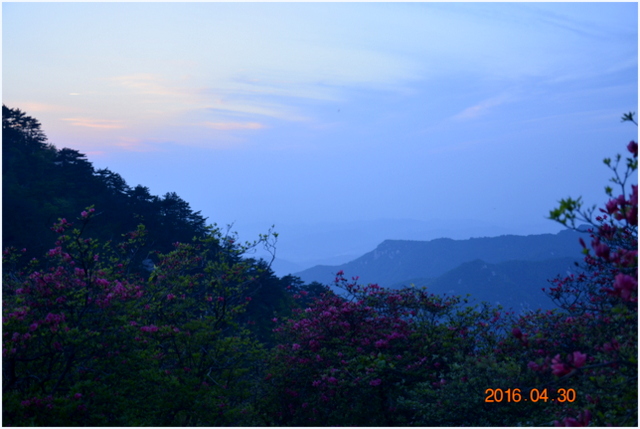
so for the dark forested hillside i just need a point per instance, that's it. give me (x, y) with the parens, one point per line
(41, 184)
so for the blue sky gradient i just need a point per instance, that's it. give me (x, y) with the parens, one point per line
(292, 113)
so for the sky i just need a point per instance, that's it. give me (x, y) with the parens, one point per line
(307, 113)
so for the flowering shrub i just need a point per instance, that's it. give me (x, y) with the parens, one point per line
(87, 341)
(186, 335)
(602, 306)
(351, 361)
(59, 325)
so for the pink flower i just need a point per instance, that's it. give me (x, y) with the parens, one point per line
(381, 343)
(558, 368)
(295, 346)
(579, 359)
(611, 206)
(633, 148)
(54, 318)
(585, 417)
(516, 332)
(602, 250)
(170, 296)
(395, 335)
(614, 345)
(624, 284)
(568, 421)
(583, 420)
(375, 382)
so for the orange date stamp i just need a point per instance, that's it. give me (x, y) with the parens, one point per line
(534, 395)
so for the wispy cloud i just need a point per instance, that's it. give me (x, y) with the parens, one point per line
(95, 123)
(31, 107)
(153, 96)
(182, 94)
(226, 126)
(135, 145)
(482, 108)
(151, 84)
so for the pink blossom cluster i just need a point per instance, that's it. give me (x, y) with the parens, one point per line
(584, 418)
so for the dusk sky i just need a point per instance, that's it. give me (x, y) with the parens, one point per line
(293, 113)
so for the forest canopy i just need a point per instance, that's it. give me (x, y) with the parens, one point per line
(42, 183)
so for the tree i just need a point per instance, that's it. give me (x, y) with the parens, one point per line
(42, 184)
(22, 129)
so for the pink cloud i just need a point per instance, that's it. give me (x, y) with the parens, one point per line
(134, 145)
(226, 126)
(33, 107)
(151, 84)
(95, 123)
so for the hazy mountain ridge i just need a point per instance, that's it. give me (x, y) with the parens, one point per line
(508, 269)
(512, 284)
(394, 261)
(306, 245)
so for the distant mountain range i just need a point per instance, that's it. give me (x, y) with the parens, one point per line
(305, 245)
(510, 270)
